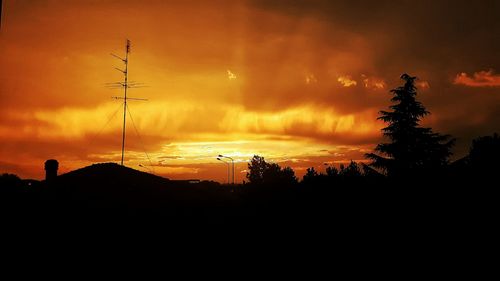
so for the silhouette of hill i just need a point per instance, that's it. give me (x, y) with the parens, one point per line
(111, 192)
(110, 175)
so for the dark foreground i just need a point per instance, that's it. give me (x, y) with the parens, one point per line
(108, 195)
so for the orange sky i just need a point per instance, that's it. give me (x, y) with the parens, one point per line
(299, 84)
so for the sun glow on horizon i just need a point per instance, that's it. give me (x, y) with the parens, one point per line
(299, 84)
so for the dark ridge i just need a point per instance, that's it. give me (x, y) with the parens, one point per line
(111, 174)
(110, 193)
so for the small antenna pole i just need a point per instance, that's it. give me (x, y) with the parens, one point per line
(127, 51)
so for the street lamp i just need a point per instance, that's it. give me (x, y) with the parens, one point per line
(227, 163)
(232, 161)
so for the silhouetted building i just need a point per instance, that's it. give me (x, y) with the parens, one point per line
(51, 167)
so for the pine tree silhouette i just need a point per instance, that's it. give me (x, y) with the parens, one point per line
(412, 149)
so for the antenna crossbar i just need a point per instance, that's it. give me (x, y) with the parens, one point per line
(121, 98)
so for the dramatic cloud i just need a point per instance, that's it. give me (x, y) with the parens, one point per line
(479, 79)
(299, 82)
(347, 81)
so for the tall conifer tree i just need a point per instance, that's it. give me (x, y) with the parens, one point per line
(411, 149)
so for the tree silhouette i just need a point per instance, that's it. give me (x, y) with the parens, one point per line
(256, 169)
(9, 180)
(261, 172)
(351, 171)
(288, 176)
(412, 148)
(484, 154)
(331, 171)
(274, 174)
(310, 175)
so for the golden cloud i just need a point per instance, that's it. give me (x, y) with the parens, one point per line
(347, 81)
(478, 79)
(267, 77)
(373, 82)
(184, 132)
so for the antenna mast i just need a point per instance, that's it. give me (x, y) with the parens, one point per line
(125, 97)
(125, 84)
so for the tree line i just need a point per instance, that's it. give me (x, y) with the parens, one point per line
(411, 153)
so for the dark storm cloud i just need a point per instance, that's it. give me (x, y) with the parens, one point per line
(413, 36)
(285, 55)
(434, 40)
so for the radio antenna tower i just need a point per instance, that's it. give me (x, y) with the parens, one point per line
(125, 85)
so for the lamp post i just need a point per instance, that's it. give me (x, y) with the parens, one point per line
(227, 163)
(232, 161)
